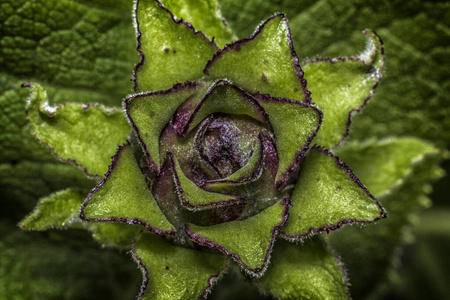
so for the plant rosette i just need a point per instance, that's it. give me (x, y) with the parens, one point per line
(230, 150)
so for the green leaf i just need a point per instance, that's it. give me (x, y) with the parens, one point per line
(247, 241)
(394, 160)
(21, 184)
(412, 98)
(175, 272)
(171, 51)
(224, 97)
(267, 62)
(123, 194)
(304, 271)
(149, 113)
(61, 265)
(327, 196)
(114, 234)
(85, 135)
(81, 47)
(205, 16)
(55, 211)
(402, 202)
(191, 195)
(341, 87)
(294, 124)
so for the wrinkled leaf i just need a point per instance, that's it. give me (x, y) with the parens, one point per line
(23, 183)
(62, 265)
(85, 135)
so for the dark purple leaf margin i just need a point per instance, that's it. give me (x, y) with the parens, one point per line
(377, 72)
(180, 22)
(188, 205)
(174, 89)
(339, 224)
(236, 46)
(252, 271)
(303, 148)
(184, 128)
(113, 165)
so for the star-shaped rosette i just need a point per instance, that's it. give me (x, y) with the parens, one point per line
(231, 150)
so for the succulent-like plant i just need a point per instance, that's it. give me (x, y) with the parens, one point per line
(230, 153)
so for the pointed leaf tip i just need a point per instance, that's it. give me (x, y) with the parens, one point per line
(267, 62)
(122, 194)
(248, 241)
(85, 135)
(327, 196)
(341, 87)
(171, 50)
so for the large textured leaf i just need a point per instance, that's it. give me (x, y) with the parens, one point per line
(75, 47)
(171, 51)
(204, 15)
(174, 272)
(82, 134)
(304, 271)
(327, 196)
(62, 265)
(21, 184)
